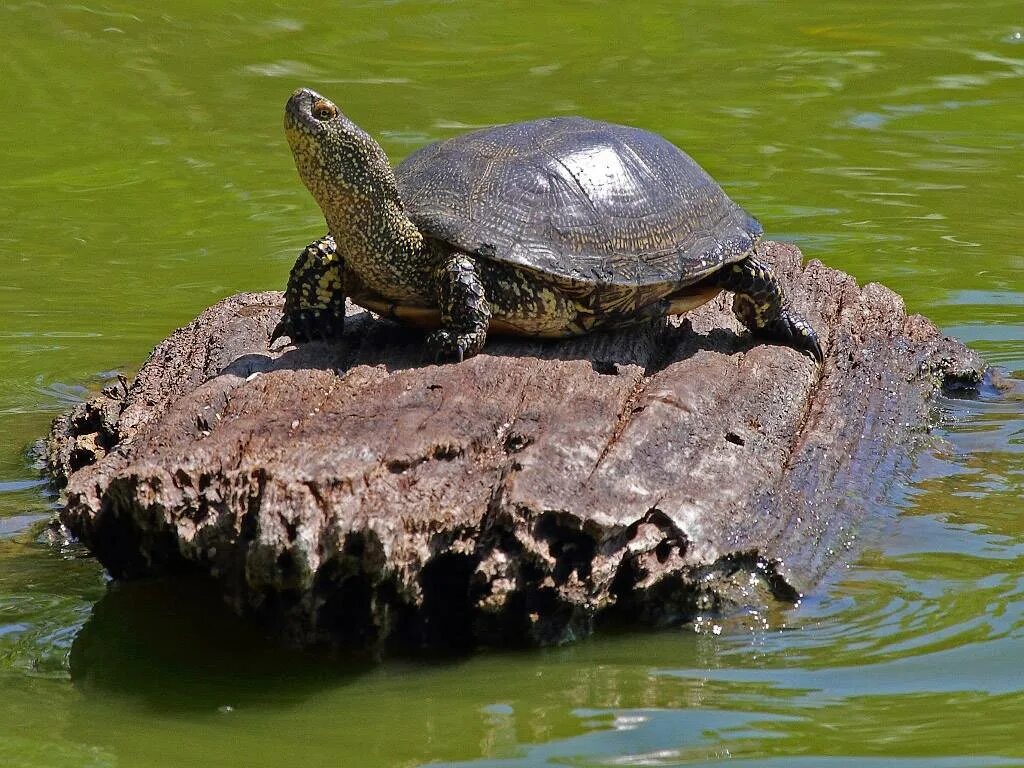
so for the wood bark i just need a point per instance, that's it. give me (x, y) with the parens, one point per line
(353, 494)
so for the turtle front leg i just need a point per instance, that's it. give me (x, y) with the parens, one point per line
(761, 306)
(465, 311)
(314, 301)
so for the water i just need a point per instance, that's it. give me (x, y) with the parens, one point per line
(144, 176)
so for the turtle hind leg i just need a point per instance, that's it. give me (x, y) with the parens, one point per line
(761, 306)
(314, 301)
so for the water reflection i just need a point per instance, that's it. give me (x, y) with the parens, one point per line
(168, 653)
(173, 645)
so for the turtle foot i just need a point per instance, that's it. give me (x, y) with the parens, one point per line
(314, 300)
(307, 325)
(794, 330)
(446, 346)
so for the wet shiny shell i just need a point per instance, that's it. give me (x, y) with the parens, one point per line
(577, 199)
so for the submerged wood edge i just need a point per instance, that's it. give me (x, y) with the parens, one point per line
(350, 494)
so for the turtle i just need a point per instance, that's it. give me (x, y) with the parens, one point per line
(553, 227)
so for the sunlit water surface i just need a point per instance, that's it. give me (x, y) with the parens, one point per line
(144, 176)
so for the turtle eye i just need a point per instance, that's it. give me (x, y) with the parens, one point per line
(324, 110)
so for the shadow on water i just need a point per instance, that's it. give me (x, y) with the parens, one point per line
(190, 673)
(172, 644)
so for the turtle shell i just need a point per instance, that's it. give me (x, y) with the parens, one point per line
(578, 199)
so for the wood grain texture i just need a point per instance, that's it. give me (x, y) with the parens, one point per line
(355, 495)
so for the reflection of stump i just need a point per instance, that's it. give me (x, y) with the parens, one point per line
(173, 644)
(353, 494)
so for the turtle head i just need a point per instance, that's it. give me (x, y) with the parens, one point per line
(340, 164)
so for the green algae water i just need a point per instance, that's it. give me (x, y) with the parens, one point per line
(144, 175)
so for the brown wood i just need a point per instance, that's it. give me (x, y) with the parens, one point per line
(353, 494)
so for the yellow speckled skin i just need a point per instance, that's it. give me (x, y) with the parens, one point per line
(640, 256)
(314, 304)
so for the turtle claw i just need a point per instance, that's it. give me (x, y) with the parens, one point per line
(445, 346)
(792, 329)
(813, 348)
(283, 328)
(304, 326)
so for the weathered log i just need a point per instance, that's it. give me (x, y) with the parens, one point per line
(353, 494)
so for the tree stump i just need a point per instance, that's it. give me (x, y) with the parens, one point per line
(353, 494)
